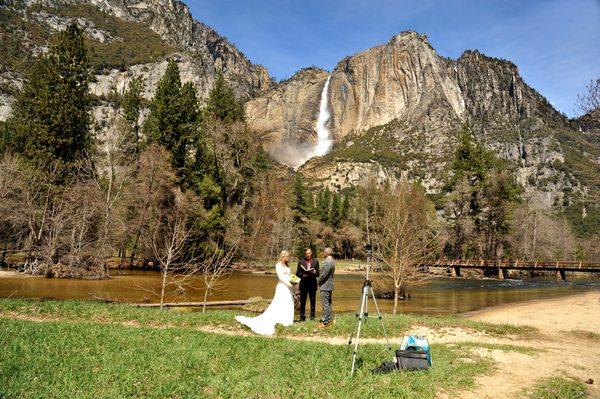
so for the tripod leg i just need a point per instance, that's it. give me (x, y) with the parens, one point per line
(352, 332)
(360, 319)
(380, 319)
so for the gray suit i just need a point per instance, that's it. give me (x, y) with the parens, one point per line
(325, 281)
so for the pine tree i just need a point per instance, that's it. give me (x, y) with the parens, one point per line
(299, 205)
(131, 108)
(51, 120)
(471, 160)
(164, 109)
(345, 210)
(174, 117)
(188, 123)
(335, 214)
(299, 215)
(482, 191)
(324, 205)
(222, 103)
(318, 204)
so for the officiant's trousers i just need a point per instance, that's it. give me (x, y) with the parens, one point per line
(308, 289)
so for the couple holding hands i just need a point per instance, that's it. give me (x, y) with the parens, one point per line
(310, 276)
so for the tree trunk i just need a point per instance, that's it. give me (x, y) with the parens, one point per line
(396, 292)
(164, 284)
(205, 299)
(4, 249)
(134, 249)
(534, 236)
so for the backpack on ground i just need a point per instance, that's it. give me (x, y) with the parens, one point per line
(414, 354)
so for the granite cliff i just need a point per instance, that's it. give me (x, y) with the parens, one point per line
(396, 110)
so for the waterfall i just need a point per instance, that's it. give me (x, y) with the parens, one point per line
(323, 136)
(300, 153)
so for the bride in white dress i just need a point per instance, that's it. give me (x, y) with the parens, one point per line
(281, 309)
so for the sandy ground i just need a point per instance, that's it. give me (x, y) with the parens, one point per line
(559, 351)
(9, 273)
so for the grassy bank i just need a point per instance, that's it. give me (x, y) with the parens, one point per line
(344, 323)
(92, 350)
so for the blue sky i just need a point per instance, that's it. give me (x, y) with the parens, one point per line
(555, 43)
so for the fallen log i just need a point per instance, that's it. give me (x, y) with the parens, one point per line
(192, 304)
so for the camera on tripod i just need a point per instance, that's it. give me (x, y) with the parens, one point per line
(363, 313)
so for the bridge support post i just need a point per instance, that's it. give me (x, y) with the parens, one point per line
(561, 275)
(455, 271)
(503, 274)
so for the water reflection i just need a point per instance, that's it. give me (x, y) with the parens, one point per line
(439, 296)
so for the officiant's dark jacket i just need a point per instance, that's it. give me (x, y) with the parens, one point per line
(308, 278)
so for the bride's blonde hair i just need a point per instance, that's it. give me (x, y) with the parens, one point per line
(283, 254)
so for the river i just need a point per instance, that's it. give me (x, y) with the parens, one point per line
(437, 296)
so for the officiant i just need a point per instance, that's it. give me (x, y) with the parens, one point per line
(308, 271)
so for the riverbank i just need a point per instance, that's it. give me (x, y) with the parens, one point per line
(9, 273)
(567, 341)
(103, 350)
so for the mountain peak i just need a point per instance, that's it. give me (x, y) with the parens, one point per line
(410, 35)
(477, 56)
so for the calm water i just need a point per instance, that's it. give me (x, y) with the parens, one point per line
(437, 296)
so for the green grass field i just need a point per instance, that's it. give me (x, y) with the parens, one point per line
(558, 387)
(77, 349)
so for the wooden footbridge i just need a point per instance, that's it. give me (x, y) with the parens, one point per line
(501, 267)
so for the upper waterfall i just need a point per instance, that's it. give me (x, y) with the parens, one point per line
(304, 151)
(323, 136)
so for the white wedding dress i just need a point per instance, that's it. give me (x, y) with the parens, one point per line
(281, 309)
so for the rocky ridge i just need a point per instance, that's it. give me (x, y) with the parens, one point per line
(173, 21)
(201, 52)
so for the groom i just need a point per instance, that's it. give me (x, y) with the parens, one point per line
(325, 281)
(308, 270)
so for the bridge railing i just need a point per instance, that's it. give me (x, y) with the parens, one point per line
(511, 263)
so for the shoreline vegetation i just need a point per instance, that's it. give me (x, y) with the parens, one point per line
(91, 349)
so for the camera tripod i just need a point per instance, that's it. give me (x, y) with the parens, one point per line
(363, 313)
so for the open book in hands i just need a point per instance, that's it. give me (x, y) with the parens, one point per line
(310, 270)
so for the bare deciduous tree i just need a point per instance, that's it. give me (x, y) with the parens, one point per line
(180, 271)
(540, 235)
(112, 173)
(404, 234)
(151, 189)
(170, 234)
(214, 270)
(269, 220)
(588, 103)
